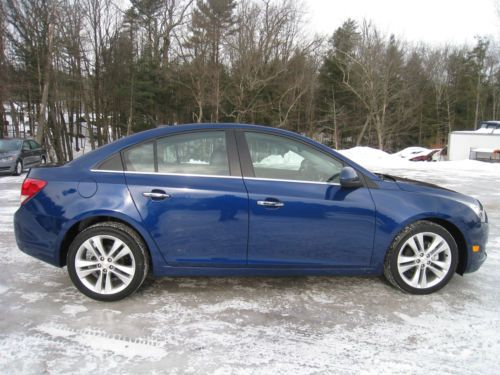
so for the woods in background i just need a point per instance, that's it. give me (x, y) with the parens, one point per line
(71, 65)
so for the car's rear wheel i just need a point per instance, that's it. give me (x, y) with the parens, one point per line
(107, 261)
(422, 258)
(18, 169)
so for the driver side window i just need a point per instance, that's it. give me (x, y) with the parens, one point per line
(280, 158)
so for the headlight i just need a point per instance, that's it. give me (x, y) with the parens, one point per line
(8, 158)
(479, 211)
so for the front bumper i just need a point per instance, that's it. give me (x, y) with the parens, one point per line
(7, 166)
(478, 237)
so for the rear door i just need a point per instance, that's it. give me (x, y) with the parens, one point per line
(191, 196)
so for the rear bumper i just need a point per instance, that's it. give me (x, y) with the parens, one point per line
(478, 236)
(36, 235)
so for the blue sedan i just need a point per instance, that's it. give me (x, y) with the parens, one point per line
(233, 200)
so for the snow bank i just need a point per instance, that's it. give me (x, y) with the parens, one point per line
(380, 161)
(371, 157)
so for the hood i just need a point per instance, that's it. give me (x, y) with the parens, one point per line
(415, 186)
(408, 184)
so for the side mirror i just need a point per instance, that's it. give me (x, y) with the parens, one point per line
(349, 178)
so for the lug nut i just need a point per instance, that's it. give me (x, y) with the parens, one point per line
(418, 260)
(110, 260)
(102, 259)
(421, 254)
(99, 265)
(111, 267)
(105, 270)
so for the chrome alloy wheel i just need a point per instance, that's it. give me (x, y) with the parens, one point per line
(424, 260)
(19, 168)
(105, 264)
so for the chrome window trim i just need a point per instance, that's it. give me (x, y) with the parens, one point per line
(216, 176)
(299, 181)
(165, 174)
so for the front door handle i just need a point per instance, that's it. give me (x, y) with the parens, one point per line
(270, 203)
(156, 195)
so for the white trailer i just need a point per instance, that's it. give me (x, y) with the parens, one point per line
(463, 144)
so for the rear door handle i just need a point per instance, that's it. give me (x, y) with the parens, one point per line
(156, 195)
(270, 203)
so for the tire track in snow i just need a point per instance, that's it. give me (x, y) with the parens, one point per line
(147, 347)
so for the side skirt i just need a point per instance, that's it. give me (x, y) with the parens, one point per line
(247, 271)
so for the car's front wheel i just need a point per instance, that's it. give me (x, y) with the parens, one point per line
(422, 258)
(18, 169)
(107, 261)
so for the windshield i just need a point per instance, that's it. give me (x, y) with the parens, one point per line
(7, 145)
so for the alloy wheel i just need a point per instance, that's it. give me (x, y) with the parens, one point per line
(424, 260)
(105, 264)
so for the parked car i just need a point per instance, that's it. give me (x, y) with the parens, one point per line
(489, 127)
(18, 154)
(230, 200)
(410, 152)
(430, 155)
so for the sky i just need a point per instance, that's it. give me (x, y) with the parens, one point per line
(431, 21)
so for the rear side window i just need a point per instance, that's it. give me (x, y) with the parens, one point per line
(140, 158)
(203, 153)
(114, 163)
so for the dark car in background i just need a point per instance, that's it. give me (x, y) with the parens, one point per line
(18, 154)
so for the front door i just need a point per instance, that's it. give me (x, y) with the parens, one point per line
(191, 199)
(27, 155)
(299, 214)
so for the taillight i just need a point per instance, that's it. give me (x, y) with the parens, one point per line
(30, 187)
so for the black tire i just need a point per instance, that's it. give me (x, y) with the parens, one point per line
(391, 270)
(18, 169)
(130, 238)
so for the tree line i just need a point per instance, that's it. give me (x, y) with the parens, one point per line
(115, 69)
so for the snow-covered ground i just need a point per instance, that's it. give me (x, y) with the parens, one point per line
(344, 325)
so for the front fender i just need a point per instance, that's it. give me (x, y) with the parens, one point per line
(396, 209)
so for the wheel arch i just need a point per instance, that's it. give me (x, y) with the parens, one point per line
(459, 239)
(85, 222)
(452, 228)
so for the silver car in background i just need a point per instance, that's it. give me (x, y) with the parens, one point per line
(17, 155)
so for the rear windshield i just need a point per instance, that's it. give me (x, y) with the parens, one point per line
(7, 145)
